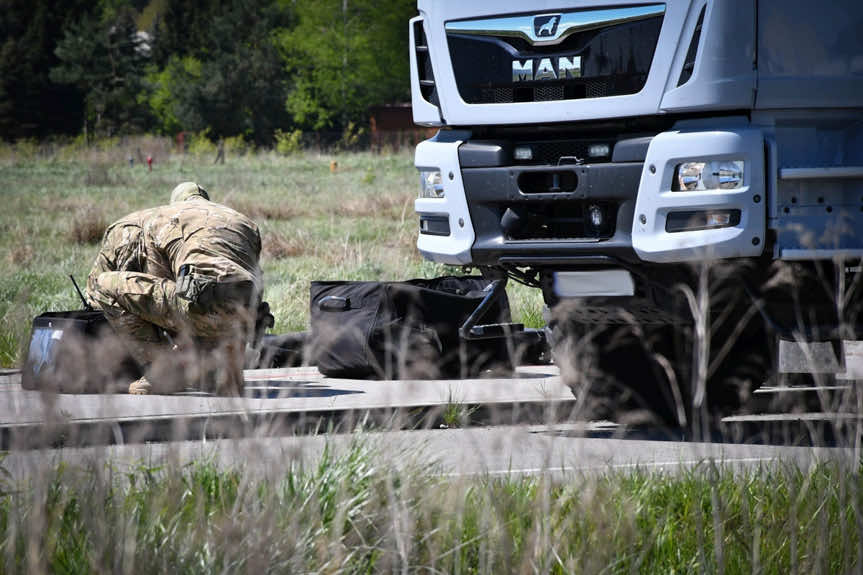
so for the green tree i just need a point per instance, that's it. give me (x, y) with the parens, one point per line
(104, 56)
(344, 56)
(31, 105)
(183, 28)
(219, 68)
(172, 98)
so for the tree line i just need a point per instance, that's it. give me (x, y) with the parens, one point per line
(226, 68)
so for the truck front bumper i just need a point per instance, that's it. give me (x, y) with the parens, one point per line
(453, 247)
(552, 227)
(500, 213)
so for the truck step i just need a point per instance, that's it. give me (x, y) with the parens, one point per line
(820, 416)
(833, 396)
(808, 428)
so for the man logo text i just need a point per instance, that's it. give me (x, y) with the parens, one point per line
(545, 69)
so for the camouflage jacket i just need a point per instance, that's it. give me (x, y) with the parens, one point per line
(216, 242)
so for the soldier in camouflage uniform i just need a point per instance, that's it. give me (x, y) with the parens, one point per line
(187, 272)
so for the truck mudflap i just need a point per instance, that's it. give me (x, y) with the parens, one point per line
(693, 201)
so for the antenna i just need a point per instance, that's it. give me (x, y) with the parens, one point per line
(87, 306)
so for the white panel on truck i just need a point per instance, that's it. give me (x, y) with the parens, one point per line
(455, 111)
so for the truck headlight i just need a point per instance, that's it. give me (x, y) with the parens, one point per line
(523, 153)
(598, 150)
(431, 184)
(715, 175)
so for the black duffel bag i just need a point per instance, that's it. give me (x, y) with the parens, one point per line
(406, 329)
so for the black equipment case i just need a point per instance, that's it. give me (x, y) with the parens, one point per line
(76, 352)
(407, 329)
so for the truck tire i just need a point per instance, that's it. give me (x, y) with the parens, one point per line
(620, 372)
(641, 372)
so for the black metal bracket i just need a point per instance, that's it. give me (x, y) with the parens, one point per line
(471, 331)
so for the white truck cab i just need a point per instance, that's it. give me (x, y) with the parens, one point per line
(598, 149)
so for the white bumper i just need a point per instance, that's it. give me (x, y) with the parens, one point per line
(455, 248)
(656, 200)
(650, 240)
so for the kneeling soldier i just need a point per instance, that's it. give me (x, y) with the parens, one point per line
(182, 276)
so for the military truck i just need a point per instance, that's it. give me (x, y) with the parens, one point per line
(683, 180)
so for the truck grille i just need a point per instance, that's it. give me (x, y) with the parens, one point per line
(613, 59)
(588, 89)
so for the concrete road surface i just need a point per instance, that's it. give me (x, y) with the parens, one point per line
(559, 450)
(284, 390)
(276, 400)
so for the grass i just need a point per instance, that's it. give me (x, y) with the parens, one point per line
(353, 223)
(363, 510)
(455, 413)
(356, 512)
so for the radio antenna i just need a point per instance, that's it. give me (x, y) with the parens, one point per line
(87, 306)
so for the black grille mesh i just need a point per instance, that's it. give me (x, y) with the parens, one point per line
(692, 52)
(594, 88)
(500, 95)
(424, 66)
(548, 93)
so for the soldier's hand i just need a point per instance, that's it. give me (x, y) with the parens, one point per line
(265, 319)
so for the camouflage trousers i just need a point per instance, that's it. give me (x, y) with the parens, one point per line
(179, 343)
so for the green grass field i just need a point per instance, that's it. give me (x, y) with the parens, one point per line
(354, 222)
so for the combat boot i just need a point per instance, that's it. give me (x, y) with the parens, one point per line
(140, 387)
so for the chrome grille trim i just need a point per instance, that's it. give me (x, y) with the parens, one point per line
(570, 23)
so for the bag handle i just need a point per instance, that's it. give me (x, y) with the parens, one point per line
(334, 303)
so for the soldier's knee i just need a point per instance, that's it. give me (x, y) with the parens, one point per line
(222, 325)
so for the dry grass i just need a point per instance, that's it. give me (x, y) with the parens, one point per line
(404, 241)
(278, 246)
(88, 226)
(98, 176)
(20, 255)
(262, 209)
(371, 205)
(110, 206)
(116, 151)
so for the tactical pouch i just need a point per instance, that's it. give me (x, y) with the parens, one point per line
(186, 287)
(205, 294)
